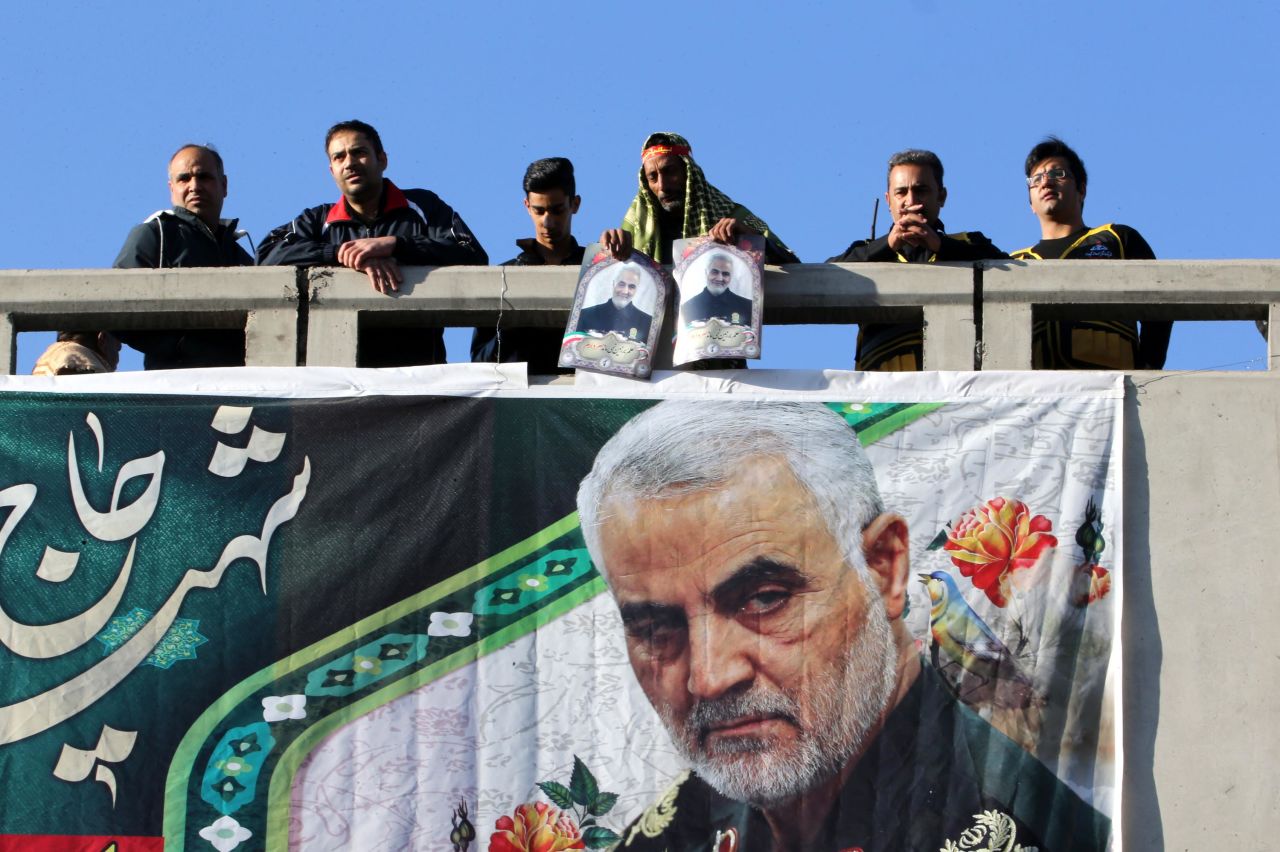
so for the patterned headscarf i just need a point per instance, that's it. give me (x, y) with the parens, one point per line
(704, 205)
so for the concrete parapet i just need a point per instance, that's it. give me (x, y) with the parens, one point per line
(990, 307)
(262, 301)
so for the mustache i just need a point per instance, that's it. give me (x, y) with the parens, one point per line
(710, 714)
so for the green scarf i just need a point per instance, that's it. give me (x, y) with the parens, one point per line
(704, 205)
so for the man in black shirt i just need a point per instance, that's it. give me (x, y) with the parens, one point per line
(1056, 184)
(190, 234)
(915, 197)
(551, 199)
(374, 228)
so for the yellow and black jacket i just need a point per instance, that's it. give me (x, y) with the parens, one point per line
(899, 347)
(1096, 344)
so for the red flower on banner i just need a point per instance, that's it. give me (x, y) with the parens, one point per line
(1099, 585)
(536, 827)
(988, 543)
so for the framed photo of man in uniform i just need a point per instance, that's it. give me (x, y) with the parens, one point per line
(617, 315)
(721, 298)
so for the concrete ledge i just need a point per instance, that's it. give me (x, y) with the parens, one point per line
(943, 297)
(1136, 289)
(92, 299)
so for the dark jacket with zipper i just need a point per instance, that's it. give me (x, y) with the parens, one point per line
(427, 231)
(174, 239)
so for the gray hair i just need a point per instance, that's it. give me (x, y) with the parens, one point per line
(684, 446)
(917, 157)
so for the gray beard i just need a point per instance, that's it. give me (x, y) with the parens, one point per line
(844, 706)
(620, 303)
(673, 206)
(717, 289)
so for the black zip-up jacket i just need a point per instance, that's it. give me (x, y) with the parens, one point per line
(428, 232)
(896, 347)
(540, 347)
(178, 238)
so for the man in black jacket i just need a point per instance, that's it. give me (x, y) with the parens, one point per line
(551, 199)
(374, 228)
(915, 197)
(191, 234)
(1056, 185)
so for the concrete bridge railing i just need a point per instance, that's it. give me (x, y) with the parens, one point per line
(975, 317)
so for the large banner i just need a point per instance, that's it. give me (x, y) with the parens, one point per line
(437, 609)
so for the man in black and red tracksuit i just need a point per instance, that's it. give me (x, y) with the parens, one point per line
(1056, 184)
(375, 227)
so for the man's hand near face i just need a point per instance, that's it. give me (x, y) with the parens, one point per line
(913, 229)
(373, 257)
(726, 229)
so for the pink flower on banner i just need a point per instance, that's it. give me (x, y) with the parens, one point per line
(990, 542)
(535, 827)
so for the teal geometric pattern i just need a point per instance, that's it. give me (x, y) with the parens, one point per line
(533, 583)
(179, 642)
(368, 664)
(231, 776)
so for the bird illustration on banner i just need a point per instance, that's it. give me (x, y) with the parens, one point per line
(990, 672)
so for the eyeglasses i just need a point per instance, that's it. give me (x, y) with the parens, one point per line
(1054, 175)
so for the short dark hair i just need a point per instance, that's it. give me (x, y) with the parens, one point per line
(917, 157)
(1052, 146)
(354, 126)
(548, 174)
(206, 148)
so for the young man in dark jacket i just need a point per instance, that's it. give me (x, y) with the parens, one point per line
(915, 197)
(191, 234)
(550, 197)
(374, 228)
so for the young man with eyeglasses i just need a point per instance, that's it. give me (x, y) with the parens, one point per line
(1056, 184)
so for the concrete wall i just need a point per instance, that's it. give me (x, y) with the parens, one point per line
(1202, 461)
(1201, 651)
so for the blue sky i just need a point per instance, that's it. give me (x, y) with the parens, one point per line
(791, 109)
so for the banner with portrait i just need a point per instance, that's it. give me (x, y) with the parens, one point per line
(335, 609)
(721, 298)
(616, 320)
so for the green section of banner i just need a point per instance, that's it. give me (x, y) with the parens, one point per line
(183, 766)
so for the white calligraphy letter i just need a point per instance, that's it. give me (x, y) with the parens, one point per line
(40, 712)
(117, 524)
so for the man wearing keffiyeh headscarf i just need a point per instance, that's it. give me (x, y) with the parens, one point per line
(676, 202)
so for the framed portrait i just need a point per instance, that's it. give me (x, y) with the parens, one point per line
(617, 315)
(721, 298)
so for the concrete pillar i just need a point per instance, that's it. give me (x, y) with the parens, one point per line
(1273, 325)
(1006, 336)
(271, 337)
(331, 336)
(949, 337)
(8, 345)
